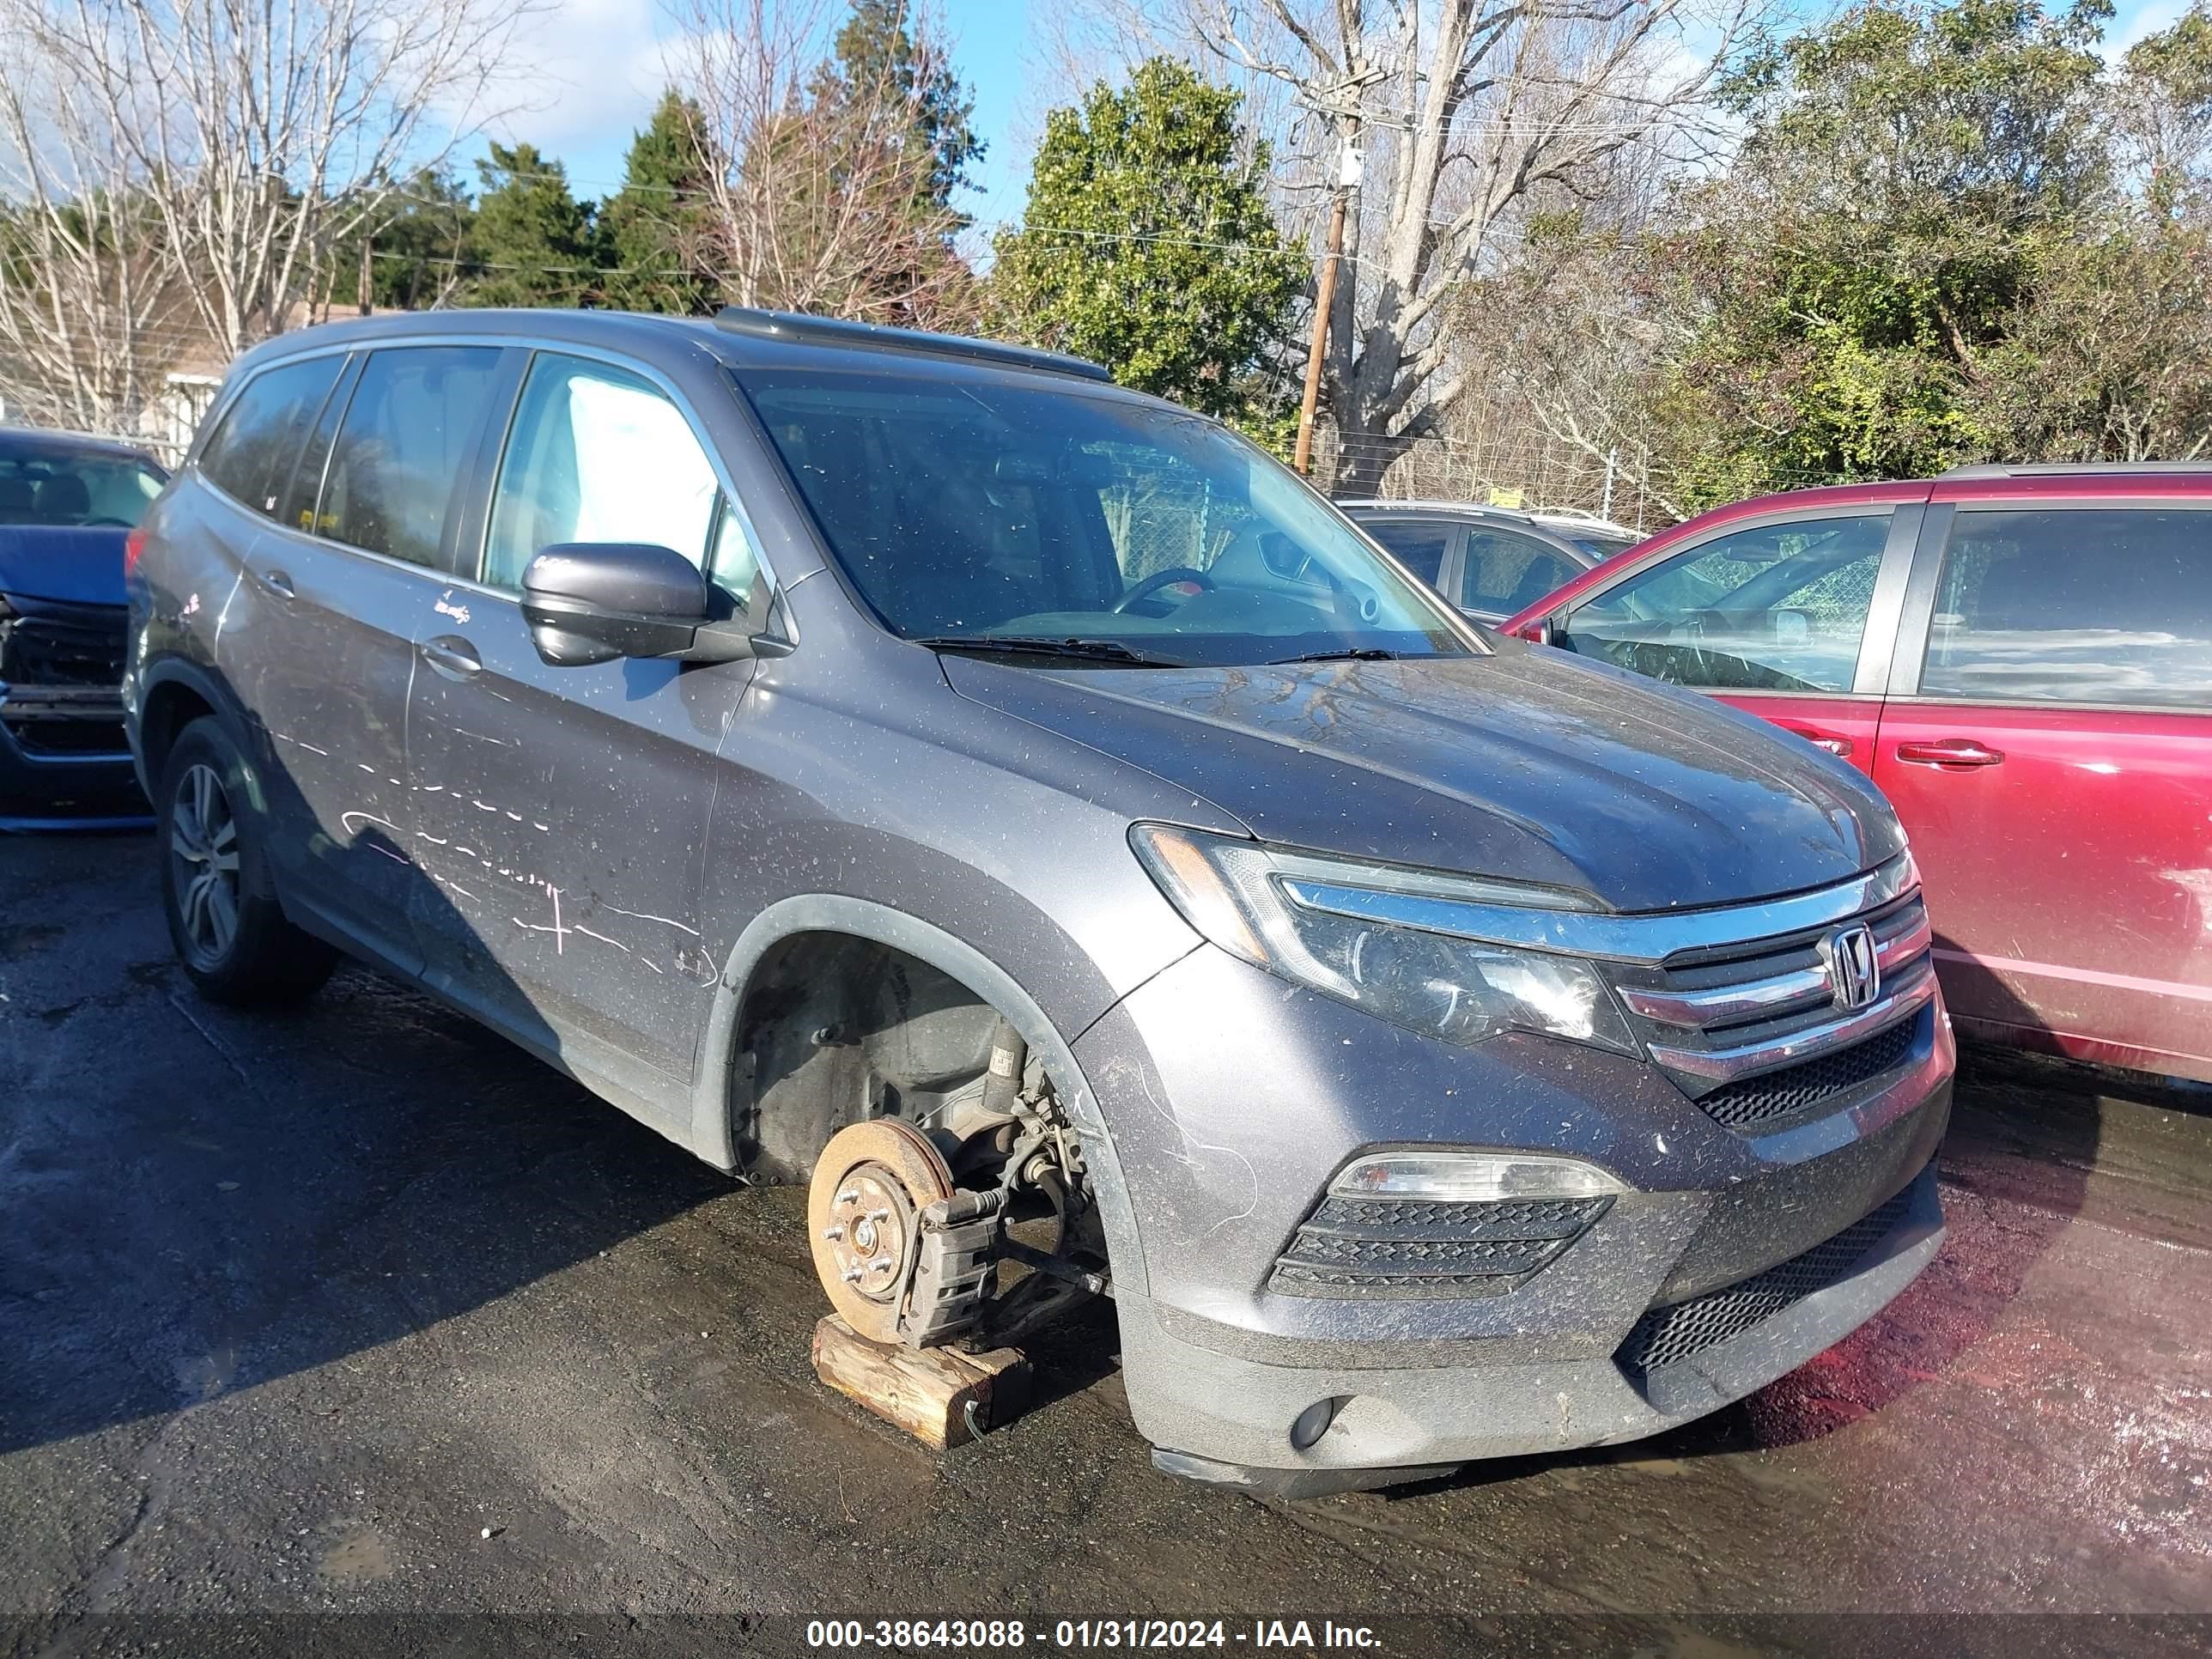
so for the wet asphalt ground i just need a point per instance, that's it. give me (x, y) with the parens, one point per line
(294, 1308)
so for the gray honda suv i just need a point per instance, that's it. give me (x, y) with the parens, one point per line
(1024, 812)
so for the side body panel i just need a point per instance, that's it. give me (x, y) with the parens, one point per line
(2066, 850)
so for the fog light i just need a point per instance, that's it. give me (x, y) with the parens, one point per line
(1473, 1178)
(1312, 1423)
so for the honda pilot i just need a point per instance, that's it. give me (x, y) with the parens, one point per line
(1026, 814)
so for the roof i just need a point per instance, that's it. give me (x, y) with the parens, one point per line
(740, 337)
(1438, 509)
(44, 441)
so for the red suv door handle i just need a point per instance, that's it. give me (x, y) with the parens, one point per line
(1949, 752)
(1840, 747)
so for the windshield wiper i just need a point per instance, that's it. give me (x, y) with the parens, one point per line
(1037, 645)
(1342, 654)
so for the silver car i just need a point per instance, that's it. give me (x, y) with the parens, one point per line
(1024, 812)
(1491, 561)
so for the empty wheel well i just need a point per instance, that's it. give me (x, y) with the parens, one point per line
(835, 1029)
(169, 708)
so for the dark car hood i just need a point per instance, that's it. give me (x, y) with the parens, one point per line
(1531, 765)
(62, 562)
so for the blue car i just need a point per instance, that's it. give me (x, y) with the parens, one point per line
(67, 506)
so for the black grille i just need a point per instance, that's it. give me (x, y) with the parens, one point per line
(1773, 1097)
(1412, 1247)
(50, 643)
(1667, 1336)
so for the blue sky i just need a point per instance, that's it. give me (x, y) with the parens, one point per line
(590, 69)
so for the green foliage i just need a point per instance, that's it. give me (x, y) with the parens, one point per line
(877, 57)
(1859, 281)
(1951, 234)
(1147, 244)
(422, 243)
(536, 244)
(651, 228)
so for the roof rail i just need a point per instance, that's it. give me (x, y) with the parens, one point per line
(838, 330)
(2062, 469)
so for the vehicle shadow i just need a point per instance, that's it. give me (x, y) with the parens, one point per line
(195, 1199)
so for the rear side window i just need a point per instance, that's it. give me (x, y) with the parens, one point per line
(410, 432)
(1778, 607)
(1504, 573)
(2083, 605)
(599, 454)
(1420, 546)
(249, 458)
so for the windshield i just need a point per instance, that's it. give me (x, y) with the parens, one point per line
(1602, 547)
(973, 512)
(48, 485)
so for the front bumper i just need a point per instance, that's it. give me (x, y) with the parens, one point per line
(55, 770)
(1224, 1146)
(1395, 1425)
(64, 761)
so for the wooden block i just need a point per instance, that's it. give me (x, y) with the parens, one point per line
(925, 1391)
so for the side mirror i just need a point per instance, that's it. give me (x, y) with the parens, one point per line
(592, 602)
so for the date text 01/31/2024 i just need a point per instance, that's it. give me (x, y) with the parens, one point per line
(1292, 1634)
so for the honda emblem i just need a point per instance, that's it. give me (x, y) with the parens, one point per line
(1854, 969)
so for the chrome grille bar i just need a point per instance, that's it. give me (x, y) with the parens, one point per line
(1780, 994)
(1770, 1054)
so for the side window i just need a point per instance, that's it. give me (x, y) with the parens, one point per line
(296, 505)
(1419, 543)
(249, 457)
(598, 454)
(1779, 607)
(409, 431)
(2094, 605)
(1504, 572)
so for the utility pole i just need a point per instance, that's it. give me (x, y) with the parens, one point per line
(1324, 298)
(1340, 101)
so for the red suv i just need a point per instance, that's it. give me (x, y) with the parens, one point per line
(2021, 659)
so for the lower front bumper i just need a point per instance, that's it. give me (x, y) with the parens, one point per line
(1226, 1418)
(64, 789)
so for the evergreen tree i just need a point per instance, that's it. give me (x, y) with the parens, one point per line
(878, 58)
(535, 242)
(1147, 245)
(651, 229)
(421, 246)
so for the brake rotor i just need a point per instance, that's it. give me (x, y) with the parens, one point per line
(863, 1218)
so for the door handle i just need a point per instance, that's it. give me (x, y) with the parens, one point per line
(1949, 752)
(1840, 747)
(452, 656)
(277, 582)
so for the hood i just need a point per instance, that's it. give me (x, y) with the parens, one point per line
(62, 562)
(1531, 765)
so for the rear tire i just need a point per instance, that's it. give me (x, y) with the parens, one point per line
(218, 895)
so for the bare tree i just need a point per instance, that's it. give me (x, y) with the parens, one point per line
(819, 193)
(88, 315)
(1465, 111)
(221, 146)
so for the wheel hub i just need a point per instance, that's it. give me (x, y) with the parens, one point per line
(863, 1218)
(871, 1232)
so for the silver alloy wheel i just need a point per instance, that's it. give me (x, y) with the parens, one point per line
(204, 854)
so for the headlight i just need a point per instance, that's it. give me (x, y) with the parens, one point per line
(1283, 911)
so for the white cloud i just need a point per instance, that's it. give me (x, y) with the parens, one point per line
(581, 77)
